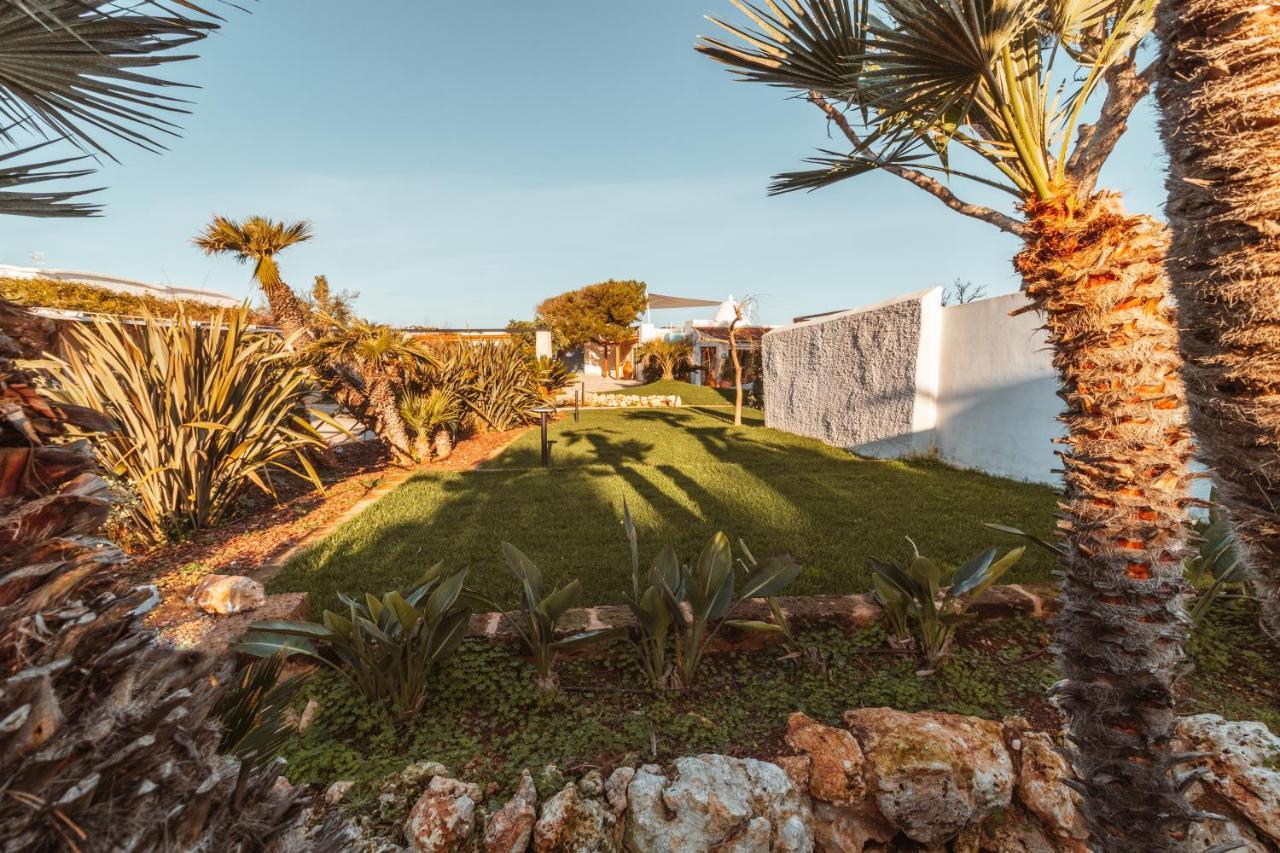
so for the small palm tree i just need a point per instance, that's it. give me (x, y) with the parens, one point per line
(435, 416)
(667, 355)
(918, 88)
(257, 240)
(1217, 85)
(383, 358)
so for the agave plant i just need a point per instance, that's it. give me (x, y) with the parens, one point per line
(540, 614)
(204, 413)
(708, 590)
(434, 416)
(914, 600)
(388, 647)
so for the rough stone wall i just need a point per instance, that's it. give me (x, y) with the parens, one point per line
(849, 379)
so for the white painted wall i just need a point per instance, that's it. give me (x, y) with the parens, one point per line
(997, 399)
(967, 382)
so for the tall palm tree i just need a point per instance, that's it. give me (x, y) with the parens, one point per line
(1002, 86)
(72, 71)
(383, 358)
(257, 240)
(1219, 89)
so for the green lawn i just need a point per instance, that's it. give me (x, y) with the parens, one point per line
(685, 474)
(690, 395)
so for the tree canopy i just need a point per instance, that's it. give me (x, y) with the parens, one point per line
(600, 313)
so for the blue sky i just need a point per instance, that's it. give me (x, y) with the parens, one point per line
(462, 161)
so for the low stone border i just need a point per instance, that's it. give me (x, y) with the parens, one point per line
(623, 401)
(850, 612)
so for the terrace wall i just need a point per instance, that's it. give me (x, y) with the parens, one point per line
(967, 382)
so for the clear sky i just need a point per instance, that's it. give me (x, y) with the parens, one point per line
(461, 161)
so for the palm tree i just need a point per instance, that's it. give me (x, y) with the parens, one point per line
(70, 70)
(667, 355)
(383, 358)
(1004, 84)
(435, 416)
(258, 240)
(1217, 87)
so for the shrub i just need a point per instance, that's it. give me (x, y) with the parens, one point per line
(496, 383)
(203, 414)
(537, 622)
(434, 416)
(917, 607)
(388, 647)
(658, 599)
(77, 296)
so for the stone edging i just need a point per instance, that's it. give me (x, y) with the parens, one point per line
(851, 612)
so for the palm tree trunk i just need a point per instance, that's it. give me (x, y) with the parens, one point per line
(1098, 277)
(442, 443)
(390, 426)
(1219, 90)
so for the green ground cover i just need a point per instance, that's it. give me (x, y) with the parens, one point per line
(685, 473)
(690, 395)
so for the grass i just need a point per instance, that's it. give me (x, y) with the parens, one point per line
(685, 473)
(690, 395)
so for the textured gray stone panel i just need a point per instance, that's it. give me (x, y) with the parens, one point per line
(849, 379)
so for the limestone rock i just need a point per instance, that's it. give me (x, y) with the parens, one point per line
(615, 789)
(714, 802)
(1040, 789)
(223, 595)
(572, 823)
(335, 792)
(1243, 766)
(511, 827)
(850, 827)
(933, 774)
(836, 762)
(443, 817)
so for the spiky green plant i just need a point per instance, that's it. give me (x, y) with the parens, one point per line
(204, 413)
(668, 356)
(497, 385)
(435, 416)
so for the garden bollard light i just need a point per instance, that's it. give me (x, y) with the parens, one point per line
(546, 445)
(577, 404)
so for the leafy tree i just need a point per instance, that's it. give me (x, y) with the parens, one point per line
(340, 306)
(602, 313)
(906, 82)
(1219, 89)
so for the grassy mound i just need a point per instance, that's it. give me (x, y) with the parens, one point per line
(690, 395)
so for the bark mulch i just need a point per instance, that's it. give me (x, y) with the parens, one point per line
(267, 531)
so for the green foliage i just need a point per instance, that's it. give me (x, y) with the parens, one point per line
(917, 606)
(428, 412)
(1215, 566)
(386, 647)
(523, 335)
(599, 313)
(539, 616)
(659, 599)
(74, 296)
(254, 711)
(496, 384)
(668, 356)
(340, 306)
(553, 375)
(203, 414)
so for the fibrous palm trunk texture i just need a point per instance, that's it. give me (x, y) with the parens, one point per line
(1219, 91)
(1098, 277)
(106, 741)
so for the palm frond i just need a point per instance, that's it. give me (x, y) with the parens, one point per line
(799, 44)
(37, 203)
(73, 69)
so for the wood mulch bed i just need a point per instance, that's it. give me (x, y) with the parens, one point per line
(267, 529)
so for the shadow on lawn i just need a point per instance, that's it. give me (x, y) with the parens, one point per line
(779, 494)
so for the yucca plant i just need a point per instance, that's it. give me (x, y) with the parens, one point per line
(434, 416)
(710, 592)
(254, 711)
(667, 356)
(388, 647)
(915, 601)
(204, 413)
(1215, 565)
(497, 385)
(552, 375)
(998, 92)
(539, 615)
